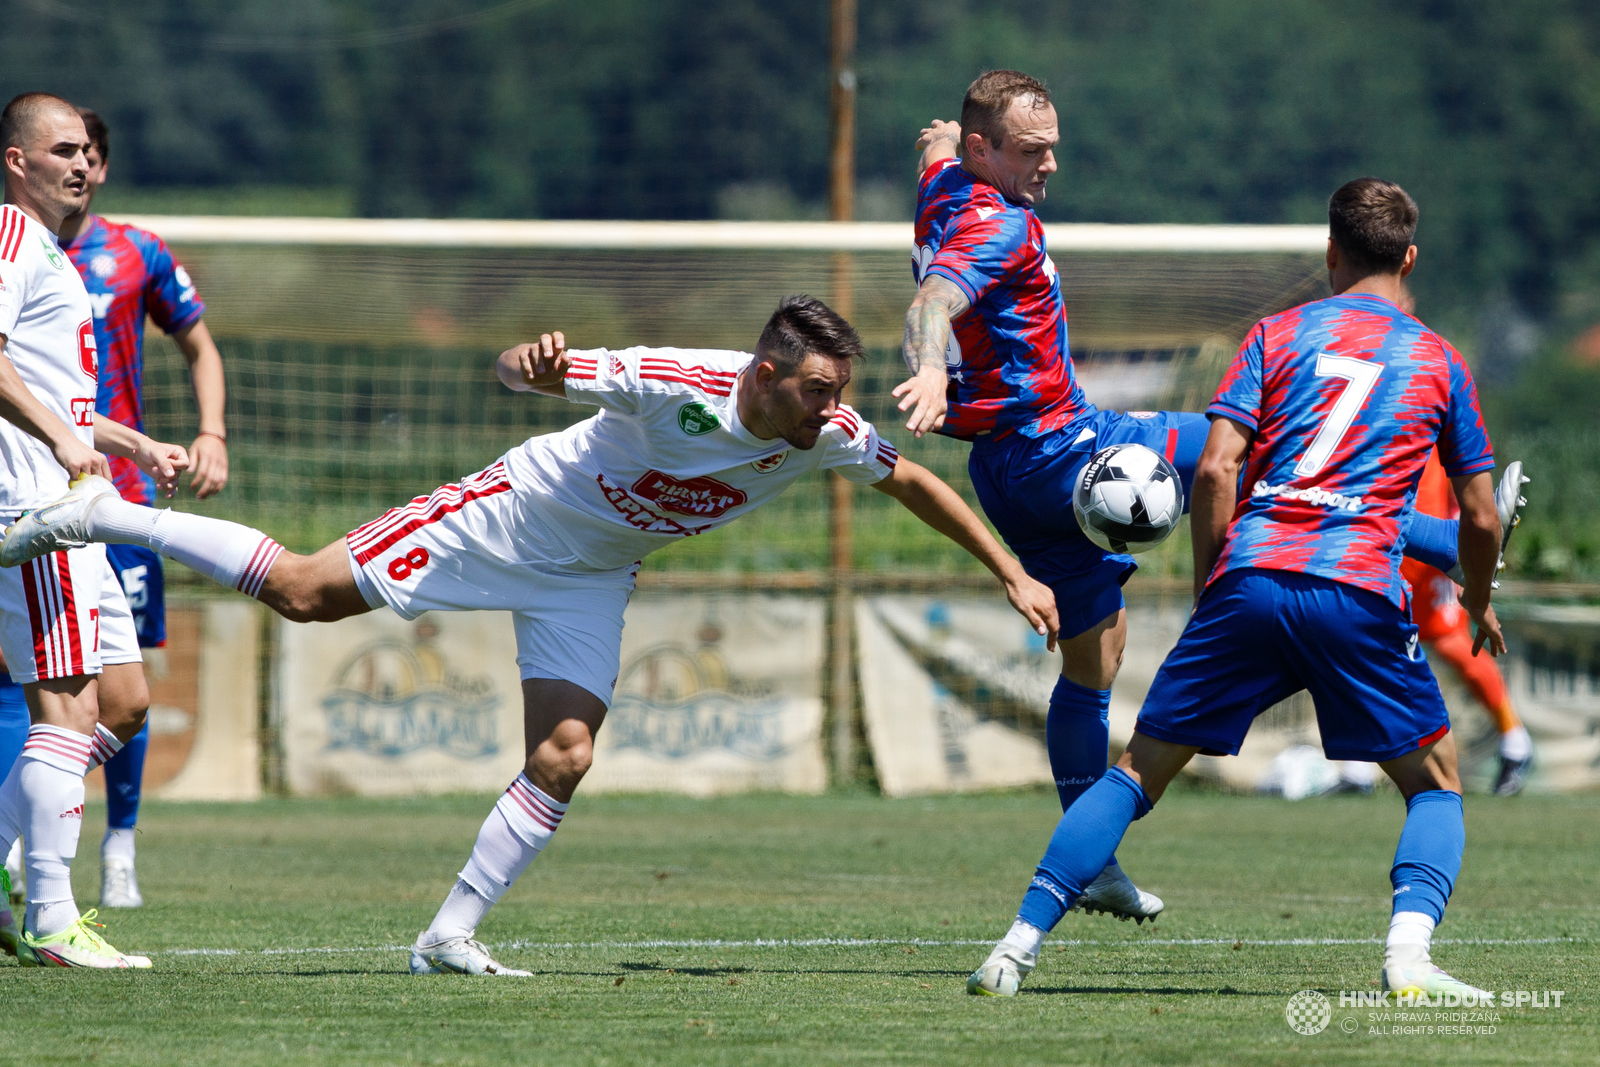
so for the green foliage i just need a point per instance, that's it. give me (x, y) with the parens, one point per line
(1217, 110)
(614, 919)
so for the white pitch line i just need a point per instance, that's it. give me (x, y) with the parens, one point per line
(865, 942)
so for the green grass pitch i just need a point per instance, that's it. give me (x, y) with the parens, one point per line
(847, 926)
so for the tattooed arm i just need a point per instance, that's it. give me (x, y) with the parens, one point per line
(939, 301)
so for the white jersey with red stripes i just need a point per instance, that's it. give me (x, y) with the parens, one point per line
(48, 325)
(667, 456)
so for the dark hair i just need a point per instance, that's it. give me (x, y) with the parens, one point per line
(802, 325)
(16, 121)
(991, 96)
(99, 136)
(1373, 222)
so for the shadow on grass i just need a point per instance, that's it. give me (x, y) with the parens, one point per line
(1165, 991)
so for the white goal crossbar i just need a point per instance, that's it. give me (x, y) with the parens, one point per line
(732, 236)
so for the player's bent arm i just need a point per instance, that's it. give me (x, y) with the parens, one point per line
(209, 453)
(22, 409)
(941, 507)
(938, 303)
(163, 462)
(539, 366)
(941, 140)
(1478, 549)
(1216, 493)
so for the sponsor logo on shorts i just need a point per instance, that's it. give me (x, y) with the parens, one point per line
(771, 463)
(73, 813)
(1314, 495)
(696, 418)
(1142, 414)
(614, 365)
(704, 498)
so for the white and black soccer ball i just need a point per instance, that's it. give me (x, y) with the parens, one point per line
(1128, 498)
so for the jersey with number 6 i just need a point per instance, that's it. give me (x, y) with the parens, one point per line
(49, 330)
(1347, 397)
(668, 457)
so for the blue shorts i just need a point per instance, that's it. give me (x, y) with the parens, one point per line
(1025, 487)
(1260, 636)
(139, 571)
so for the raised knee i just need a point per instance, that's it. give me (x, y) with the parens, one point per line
(558, 767)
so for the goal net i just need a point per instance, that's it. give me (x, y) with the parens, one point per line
(359, 352)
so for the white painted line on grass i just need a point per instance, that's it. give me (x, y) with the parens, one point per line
(869, 942)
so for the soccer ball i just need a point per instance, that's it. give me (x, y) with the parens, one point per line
(1128, 498)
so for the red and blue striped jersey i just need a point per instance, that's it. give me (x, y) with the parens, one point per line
(130, 273)
(1010, 367)
(1347, 397)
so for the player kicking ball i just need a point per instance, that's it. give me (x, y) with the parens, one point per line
(986, 342)
(1329, 411)
(685, 442)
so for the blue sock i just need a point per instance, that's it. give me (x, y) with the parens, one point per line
(1428, 857)
(1078, 737)
(1432, 541)
(13, 725)
(124, 780)
(1084, 842)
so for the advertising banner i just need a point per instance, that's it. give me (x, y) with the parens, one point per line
(715, 695)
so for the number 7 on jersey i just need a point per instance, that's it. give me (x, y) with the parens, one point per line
(1361, 376)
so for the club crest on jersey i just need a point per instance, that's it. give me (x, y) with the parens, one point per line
(51, 254)
(771, 463)
(696, 418)
(103, 266)
(702, 497)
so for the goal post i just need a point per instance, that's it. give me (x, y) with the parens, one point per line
(359, 351)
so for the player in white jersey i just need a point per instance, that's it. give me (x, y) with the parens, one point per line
(65, 626)
(553, 532)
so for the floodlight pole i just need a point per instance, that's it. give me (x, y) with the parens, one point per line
(842, 196)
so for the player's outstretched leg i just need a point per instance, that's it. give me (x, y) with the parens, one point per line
(316, 588)
(1432, 540)
(1078, 738)
(1083, 843)
(560, 721)
(1426, 863)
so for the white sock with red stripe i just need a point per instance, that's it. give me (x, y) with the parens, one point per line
(226, 552)
(50, 774)
(516, 831)
(102, 746)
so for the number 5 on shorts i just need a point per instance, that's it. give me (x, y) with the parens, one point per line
(1362, 376)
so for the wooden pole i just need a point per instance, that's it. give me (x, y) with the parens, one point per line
(842, 180)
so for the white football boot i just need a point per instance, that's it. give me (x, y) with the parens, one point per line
(119, 885)
(1408, 969)
(1112, 893)
(1509, 502)
(59, 525)
(1002, 973)
(459, 955)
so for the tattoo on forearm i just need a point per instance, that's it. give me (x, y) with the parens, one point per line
(928, 324)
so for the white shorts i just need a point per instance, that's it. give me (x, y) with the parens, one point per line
(479, 546)
(64, 615)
